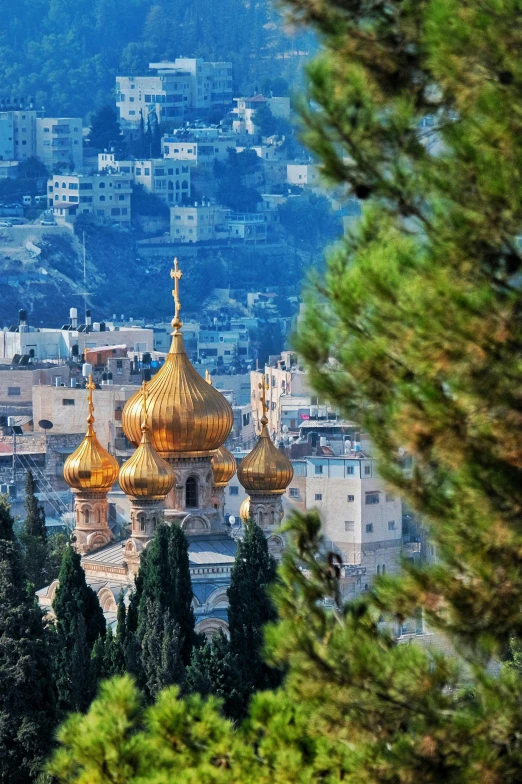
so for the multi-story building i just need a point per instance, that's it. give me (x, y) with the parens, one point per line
(202, 152)
(173, 89)
(247, 226)
(223, 346)
(18, 134)
(361, 519)
(107, 196)
(59, 143)
(198, 223)
(286, 381)
(169, 180)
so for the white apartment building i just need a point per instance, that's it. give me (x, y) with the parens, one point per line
(18, 134)
(200, 152)
(174, 88)
(247, 226)
(170, 180)
(198, 223)
(302, 174)
(107, 196)
(59, 142)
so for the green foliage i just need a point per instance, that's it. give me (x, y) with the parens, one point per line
(147, 204)
(309, 220)
(276, 87)
(250, 609)
(265, 120)
(79, 623)
(161, 648)
(34, 537)
(105, 132)
(214, 669)
(26, 695)
(232, 175)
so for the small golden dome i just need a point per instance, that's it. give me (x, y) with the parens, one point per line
(244, 510)
(223, 466)
(146, 474)
(90, 467)
(265, 469)
(185, 414)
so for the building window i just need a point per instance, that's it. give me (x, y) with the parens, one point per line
(13, 391)
(191, 493)
(369, 528)
(102, 198)
(318, 469)
(391, 525)
(367, 470)
(101, 185)
(372, 498)
(350, 469)
(318, 496)
(294, 492)
(390, 498)
(142, 522)
(67, 401)
(234, 490)
(86, 516)
(349, 525)
(351, 498)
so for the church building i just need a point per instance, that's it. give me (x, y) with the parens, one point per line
(179, 424)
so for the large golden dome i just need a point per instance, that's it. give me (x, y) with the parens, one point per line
(185, 414)
(265, 469)
(146, 474)
(223, 466)
(90, 467)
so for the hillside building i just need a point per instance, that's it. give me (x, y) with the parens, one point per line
(18, 134)
(169, 180)
(107, 196)
(59, 143)
(173, 89)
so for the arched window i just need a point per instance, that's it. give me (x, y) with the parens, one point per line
(184, 185)
(378, 569)
(191, 492)
(86, 516)
(141, 520)
(384, 569)
(153, 523)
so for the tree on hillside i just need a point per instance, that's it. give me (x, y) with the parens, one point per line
(26, 695)
(34, 537)
(309, 219)
(105, 132)
(251, 608)
(79, 623)
(264, 120)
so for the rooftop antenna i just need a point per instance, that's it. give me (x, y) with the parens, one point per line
(84, 279)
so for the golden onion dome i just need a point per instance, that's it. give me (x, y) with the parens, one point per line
(146, 474)
(185, 413)
(90, 467)
(223, 466)
(244, 510)
(265, 469)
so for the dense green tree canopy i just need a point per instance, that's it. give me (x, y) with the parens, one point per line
(34, 537)
(26, 694)
(415, 333)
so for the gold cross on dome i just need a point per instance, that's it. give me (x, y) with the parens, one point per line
(176, 275)
(263, 386)
(90, 386)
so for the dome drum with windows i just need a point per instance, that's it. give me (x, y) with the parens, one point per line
(186, 415)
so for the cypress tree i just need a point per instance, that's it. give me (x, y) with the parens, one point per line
(79, 623)
(26, 695)
(164, 577)
(250, 608)
(160, 648)
(34, 537)
(214, 669)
